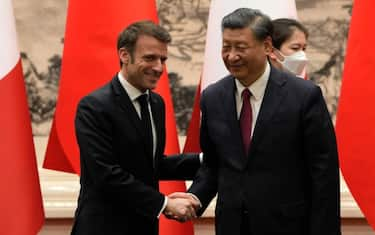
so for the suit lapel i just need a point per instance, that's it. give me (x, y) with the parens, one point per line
(157, 114)
(123, 100)
(229, 106)
(273, 96)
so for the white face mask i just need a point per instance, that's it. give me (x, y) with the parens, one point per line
(295, 63)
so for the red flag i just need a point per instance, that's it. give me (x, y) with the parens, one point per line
(21, 207)
(355, 125)
(192, 139)
(214, 68)
(171, 227)
(90, 60)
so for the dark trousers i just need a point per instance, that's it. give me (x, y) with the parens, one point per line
(245, 226)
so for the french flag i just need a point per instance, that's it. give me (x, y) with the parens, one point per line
(21, 207)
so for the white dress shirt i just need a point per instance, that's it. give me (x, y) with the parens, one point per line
(257, 90)
(133, 94)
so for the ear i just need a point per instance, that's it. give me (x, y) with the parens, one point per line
(268, 45)
(272, 54)
(124, 56)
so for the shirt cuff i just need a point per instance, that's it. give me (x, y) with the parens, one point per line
(164, 205)
(200, 159)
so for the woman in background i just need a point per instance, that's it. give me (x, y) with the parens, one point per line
(289, 41)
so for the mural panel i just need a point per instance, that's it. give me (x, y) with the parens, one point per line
(40, 25)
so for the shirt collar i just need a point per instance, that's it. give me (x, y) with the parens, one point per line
(133, 92)
(258, 87)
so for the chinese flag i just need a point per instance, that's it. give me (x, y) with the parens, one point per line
(90, 60)
(355, 125)
(21, 207)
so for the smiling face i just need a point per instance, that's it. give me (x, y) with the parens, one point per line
(243, 55)
(145, 65)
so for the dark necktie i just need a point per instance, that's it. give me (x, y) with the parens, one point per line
(246, 117)
(146, 120)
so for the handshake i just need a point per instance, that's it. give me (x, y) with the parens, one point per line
(181, 206)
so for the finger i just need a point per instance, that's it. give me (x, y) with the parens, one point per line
(190, 212)
(193, 213)
(179, 219)
(196, 205)
(179, 195)
(197, 202)
(192, 209)
(169, 216)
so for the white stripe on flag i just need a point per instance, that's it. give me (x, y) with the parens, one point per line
(214, 68)
(9, 54)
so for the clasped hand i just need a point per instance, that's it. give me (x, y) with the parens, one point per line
(181, 206)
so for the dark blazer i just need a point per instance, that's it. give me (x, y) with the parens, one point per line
(289, 182)
(119, 178)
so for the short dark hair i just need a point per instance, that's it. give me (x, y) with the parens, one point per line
(283, 29)
(259, 23)
(128, 37)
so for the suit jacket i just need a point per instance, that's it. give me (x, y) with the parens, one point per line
(119, 178)
(289, 182)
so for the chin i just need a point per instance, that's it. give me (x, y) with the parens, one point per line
(236, 74)
(152, 86)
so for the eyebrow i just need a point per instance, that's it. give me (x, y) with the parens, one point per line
(155, 56)
(298, 44)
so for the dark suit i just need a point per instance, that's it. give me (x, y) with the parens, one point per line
(289, 182)
(119, 178)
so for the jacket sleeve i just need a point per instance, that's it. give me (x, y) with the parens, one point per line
(100, 167)
(205, 183)
(179, 167)
(322, 159)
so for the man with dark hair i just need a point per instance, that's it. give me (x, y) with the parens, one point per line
(268, 141)
(120, 130)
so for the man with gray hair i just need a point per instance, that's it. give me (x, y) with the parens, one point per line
(268, 141)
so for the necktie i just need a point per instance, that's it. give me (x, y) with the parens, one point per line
(246, 117)
(146, 120)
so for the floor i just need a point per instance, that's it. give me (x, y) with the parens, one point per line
(205, 227)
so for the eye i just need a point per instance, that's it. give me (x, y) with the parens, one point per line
(226, 48)
(295, 49)
(163, 59)
(241, 48)
(149, 58)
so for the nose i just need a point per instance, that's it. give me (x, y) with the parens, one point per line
(232, 56)
(158, 66)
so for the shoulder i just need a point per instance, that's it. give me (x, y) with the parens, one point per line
(292, 83)
(306, 92)
(304, 88)
(157, 99)
(155, 96)
(219, 86)
(97, 99)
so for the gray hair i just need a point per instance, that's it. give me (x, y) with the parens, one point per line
(259, 23)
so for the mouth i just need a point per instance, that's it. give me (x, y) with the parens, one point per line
(234, 67)
(153, 76)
